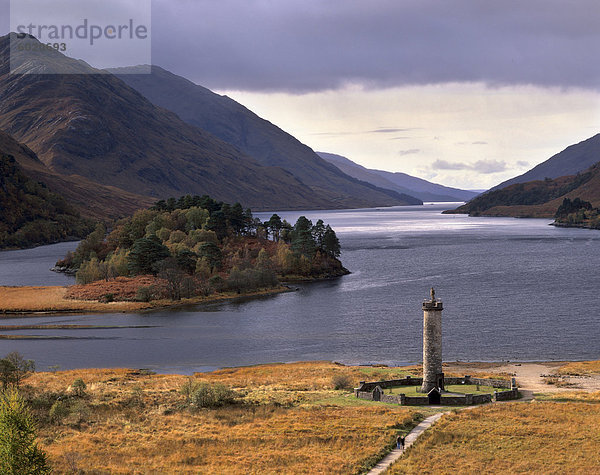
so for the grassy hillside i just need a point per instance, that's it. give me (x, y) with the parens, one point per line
(30, 214)
(571, 161)
(536, 199)
(92, 200)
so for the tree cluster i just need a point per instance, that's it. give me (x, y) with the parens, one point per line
(577, 213)
(196, 246)
(532, 193)
(30, 214)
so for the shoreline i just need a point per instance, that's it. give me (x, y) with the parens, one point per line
(49, 300)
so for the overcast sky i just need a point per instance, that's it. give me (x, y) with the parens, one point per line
(463, 92)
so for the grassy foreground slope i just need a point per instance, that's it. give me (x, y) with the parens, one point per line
(288, 419)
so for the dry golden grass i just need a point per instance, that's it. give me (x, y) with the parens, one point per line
(136, 423)
(540, 437)
(55, 299)
(580, 368)
(52, 299)
(571, 396)
(302, 376)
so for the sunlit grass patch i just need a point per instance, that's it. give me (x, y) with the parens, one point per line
(131, 421)
(580, 368)
(515, 437)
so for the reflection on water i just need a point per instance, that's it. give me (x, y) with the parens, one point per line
(513, 289)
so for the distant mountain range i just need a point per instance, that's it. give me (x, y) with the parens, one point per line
(92, 130)
(570, 161)
(400, 182)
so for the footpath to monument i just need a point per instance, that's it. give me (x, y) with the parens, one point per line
(412, 436)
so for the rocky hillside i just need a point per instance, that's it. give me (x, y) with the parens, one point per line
(537, 199)
(266, 143)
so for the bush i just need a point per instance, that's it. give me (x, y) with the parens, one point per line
(145, 293)
(89, 272)
(107, 298)
(207, 395)
(79, 387)
(217, 283)
(58, 411)
(341, 381)
(14, 368)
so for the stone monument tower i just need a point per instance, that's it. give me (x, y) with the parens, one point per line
(433, 377)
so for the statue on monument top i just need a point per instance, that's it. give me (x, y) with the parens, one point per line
(432, 294)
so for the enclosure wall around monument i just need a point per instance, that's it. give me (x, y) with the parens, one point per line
(373, 391)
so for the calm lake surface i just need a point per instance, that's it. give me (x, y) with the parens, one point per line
(513, 289)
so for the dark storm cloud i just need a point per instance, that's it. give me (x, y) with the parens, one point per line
(314, 45)
(480, 166)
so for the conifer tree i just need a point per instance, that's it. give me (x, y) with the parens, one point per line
(19, 452)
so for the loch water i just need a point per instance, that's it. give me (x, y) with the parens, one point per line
(513, 289)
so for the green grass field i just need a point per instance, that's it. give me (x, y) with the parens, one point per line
(453, 388)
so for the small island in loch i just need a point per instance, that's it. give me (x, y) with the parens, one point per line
(184, 251)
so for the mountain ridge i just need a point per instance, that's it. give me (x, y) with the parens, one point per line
(570, 161)
(95, 126)
(257, 137)
(536, 199)
(398, 181)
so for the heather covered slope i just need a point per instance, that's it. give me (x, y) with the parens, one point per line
(89, 198)
(536, 199)
(400, 182)
(572, 160)
(256, 137)
(95, 126)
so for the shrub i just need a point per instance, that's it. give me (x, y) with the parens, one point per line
(107, 298)
(58, 411)
(145, 293)
(89, 272)
(79, 387)
(217, 283)
(14, 368)
(207, 395)
(341, 381)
